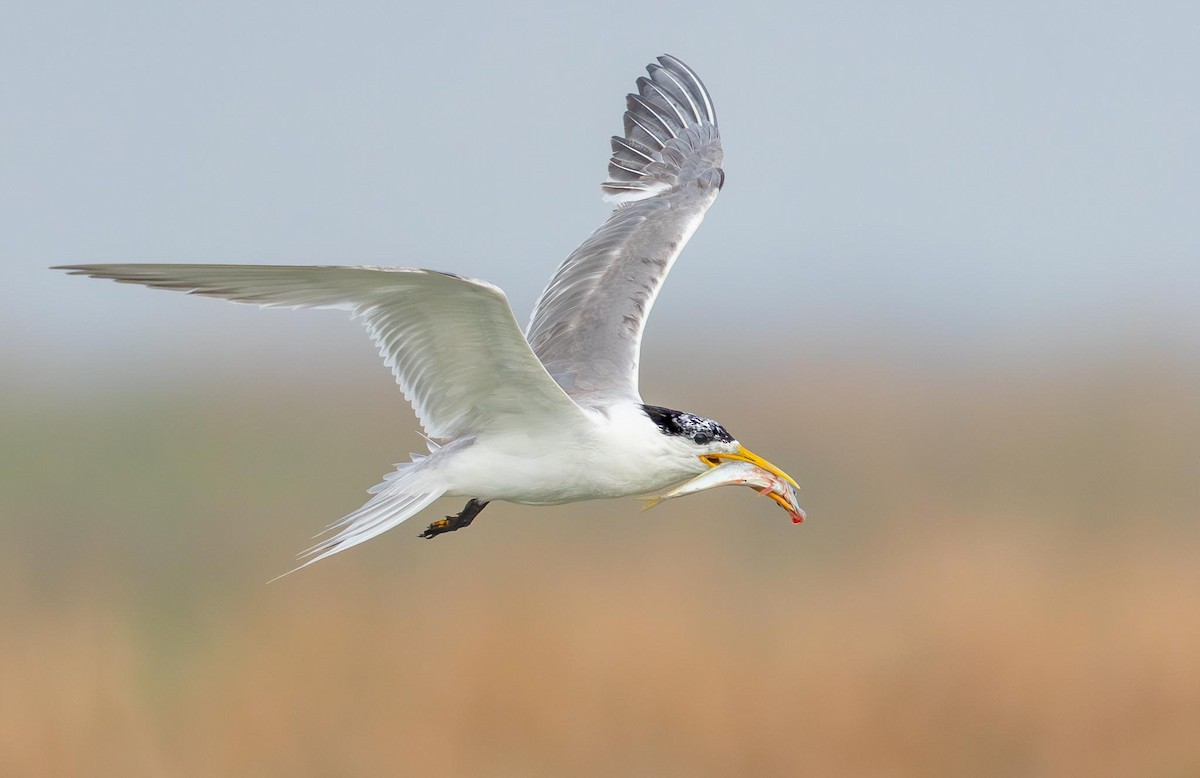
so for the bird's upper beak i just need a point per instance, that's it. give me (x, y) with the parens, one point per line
(743, 454)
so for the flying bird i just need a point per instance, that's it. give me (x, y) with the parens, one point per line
(552, 415)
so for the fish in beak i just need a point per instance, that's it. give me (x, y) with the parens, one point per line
(741, 471)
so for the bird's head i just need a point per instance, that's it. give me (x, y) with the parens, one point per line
(712, 445)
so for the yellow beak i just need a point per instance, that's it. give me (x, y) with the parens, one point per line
(744, 454)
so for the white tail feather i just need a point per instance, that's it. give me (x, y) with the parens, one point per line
(401, 496)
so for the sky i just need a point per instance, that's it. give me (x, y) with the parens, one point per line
(965, 179)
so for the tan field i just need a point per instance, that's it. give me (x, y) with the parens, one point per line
(1000, 576)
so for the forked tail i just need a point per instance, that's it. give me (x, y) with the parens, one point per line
(403, 494)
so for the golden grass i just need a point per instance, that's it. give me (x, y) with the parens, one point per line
(999, 577)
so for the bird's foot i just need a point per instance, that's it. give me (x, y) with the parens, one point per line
(451, 523)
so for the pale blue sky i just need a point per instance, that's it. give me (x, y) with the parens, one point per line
(927, 175)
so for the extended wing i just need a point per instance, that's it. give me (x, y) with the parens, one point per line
(664, 174)
(453, 344)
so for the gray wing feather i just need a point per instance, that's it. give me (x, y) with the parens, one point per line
(664, 174)
(452, 343)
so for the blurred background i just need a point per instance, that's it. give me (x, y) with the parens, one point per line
(950, 286)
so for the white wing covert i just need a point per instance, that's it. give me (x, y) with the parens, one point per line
(453, 344)
(664, 174)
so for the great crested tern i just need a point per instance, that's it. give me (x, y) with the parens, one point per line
(547, 417)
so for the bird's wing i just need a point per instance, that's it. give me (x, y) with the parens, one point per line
(453, 344)
(664, 174)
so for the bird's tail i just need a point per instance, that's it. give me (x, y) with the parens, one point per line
(403, 493)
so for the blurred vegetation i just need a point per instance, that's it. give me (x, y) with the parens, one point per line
(998, 577)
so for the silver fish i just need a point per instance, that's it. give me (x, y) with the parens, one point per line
(738, 473)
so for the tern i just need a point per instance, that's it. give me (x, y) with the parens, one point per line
(552, 415)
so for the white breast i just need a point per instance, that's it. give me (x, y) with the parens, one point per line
(621, 454)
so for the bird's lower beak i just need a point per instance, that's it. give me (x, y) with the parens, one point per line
(744, 454)
(794, 510)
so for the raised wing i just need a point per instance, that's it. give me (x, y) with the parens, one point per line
(664, 174)
(453, 344)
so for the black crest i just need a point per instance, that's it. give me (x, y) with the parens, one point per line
(697, 429)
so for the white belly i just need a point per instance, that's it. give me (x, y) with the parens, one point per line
(612, 459)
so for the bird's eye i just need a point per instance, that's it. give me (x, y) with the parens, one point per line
(702, 438)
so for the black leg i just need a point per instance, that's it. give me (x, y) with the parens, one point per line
(451, 523)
